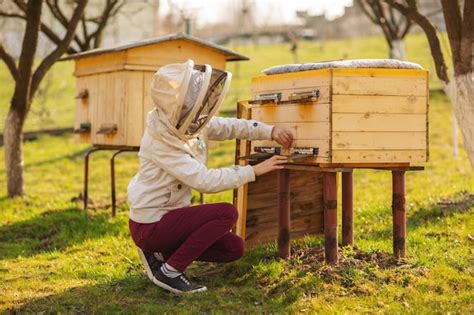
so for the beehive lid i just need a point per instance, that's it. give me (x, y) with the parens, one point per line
(229, 54)
(348, 64)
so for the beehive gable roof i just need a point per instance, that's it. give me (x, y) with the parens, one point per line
(228, 53)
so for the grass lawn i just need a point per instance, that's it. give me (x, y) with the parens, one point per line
(54, 257)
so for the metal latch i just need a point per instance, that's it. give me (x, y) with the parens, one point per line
(107, 129)
(276, 97)
(305, 96)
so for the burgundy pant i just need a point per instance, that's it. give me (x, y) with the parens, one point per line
(193, 233)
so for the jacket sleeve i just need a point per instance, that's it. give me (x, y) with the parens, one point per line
(220, 128)
(195, 174)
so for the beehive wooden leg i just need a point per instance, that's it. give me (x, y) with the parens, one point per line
(283, 213)
(399, 214)
(347, 210)
(330, 217)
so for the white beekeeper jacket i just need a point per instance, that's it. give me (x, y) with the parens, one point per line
(173, 159)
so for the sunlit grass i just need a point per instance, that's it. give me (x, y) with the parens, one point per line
(55, 258)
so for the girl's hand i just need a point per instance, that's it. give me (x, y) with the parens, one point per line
(283, 136)
(274, 163)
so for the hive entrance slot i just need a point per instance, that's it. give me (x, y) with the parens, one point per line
(294, 154)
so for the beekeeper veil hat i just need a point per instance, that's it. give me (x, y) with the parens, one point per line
(189, 95)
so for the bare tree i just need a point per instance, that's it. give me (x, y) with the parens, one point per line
(395, 26)
(460, 28)
(91, 26)
(28, 78)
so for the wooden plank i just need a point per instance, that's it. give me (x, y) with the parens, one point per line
(397, 85)
(291, 113)
(378, 141)
(98, 110)
(135, 121)
(176, 51)
(243, 111)
(380, 156)
(119, 102)
(294, 80)
(324, 92)
(108, 62)
(379, 72)
(373, 104)
(307, 130)
(306, 206)
(301, 226)
(378, 122)
(82, 110)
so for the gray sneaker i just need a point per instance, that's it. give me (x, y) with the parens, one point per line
(179, 284)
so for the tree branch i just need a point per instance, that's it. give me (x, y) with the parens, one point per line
(49, 60)
(9, 61)
(411, 12)
(453, 21)
(20, 100)
(367, 12)
(467, 37)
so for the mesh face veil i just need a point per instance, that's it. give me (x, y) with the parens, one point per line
(207, 89)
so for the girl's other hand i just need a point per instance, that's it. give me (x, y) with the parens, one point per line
(283, 136)
(274, 163)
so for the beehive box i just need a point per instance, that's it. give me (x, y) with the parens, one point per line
(361, 115)
(113, 84)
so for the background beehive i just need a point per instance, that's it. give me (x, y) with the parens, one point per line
(117, 83)
(362, 115)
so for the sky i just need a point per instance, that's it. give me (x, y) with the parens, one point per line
(216, 11)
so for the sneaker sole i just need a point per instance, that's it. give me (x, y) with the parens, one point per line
(173, 290)
(145, 264)
(162, 285)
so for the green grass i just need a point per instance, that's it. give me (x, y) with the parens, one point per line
(55, 258)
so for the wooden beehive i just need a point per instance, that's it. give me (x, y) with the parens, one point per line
(361, 117)
(113, 84)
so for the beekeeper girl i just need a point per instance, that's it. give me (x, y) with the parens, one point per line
(169, 232)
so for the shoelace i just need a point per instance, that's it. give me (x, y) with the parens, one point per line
(185, 280)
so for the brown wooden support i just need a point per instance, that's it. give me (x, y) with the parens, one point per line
(330, 217)
(399, 214)
(283, 213)
(347, 210)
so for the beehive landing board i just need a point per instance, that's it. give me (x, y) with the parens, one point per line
(362, 115)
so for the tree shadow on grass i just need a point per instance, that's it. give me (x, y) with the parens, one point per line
(53, 230)
(457, 203)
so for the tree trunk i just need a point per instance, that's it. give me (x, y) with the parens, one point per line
(397, 50)
(464, 110)
(13, 139)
